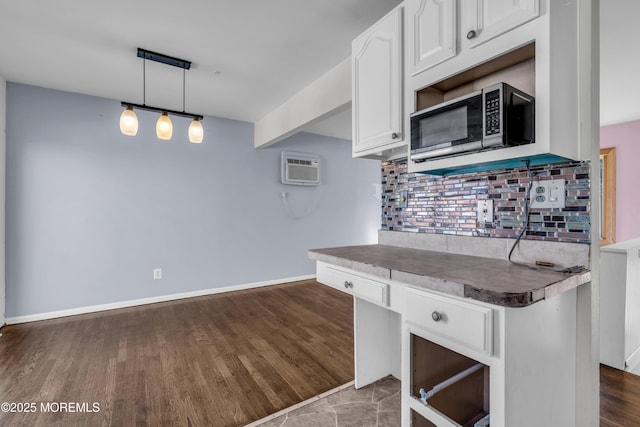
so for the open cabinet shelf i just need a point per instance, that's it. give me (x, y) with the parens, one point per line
(516, 68)
(462, 403)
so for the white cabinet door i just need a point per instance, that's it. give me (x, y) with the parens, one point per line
(483, 20)
(377, 84)
(432, 33)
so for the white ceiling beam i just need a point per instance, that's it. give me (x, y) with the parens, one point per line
(325, 97)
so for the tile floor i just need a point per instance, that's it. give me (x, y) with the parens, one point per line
(376, 405)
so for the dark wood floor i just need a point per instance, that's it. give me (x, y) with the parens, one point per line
(221, 360)
(619, 398)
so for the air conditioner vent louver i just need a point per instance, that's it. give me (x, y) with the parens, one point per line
(300, 168)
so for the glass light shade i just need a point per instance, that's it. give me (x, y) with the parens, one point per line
(129, 122)
(196, 132)
(164, 127)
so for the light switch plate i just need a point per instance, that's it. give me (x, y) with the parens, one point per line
(485, 211)
(549, 193)
(403, 199)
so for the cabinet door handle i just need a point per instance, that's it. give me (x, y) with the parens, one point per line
(348, 284)
(436, 316)
(471, 34)
(394, 135)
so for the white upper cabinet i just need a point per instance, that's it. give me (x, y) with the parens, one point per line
(432, 29)
(455, 47)
(483, 20)
(542, 47)
(440, 29)
(377, 88)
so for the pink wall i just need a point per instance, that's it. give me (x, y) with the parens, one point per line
(626, 138)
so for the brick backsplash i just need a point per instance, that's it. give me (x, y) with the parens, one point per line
(447, 205)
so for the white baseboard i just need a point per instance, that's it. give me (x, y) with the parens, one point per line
(151, 300)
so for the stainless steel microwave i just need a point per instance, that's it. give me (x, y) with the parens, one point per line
(495, 117)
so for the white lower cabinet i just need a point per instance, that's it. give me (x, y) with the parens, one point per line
(463, 362)
(450, 344)
(620, 305)
(377, 324)
(507, 366)
(376, 333)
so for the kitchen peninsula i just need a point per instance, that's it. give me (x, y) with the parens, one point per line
(477, 339)
(429, 307)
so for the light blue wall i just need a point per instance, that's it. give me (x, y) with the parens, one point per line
(91, 212)
(3, 105)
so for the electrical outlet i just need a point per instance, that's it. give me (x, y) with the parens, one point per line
(157, 273)
(548, 194)
(485, 211)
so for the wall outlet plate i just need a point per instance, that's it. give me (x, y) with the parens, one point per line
(549, 193)
(157, 273)
(485, 211)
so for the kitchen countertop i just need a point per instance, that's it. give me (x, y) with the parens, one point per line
(491, 280)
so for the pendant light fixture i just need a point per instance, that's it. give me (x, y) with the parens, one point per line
(164, 126)
(196, 133)
(129, 122)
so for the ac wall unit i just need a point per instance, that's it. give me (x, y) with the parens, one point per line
(300, 168)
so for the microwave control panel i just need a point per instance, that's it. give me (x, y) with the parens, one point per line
(492, 112)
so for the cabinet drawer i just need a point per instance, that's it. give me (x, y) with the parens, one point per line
(354, 283)
(467, 324)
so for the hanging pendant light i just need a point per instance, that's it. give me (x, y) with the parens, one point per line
(196, 132)
(164, 127)
(129, 122)
(195, 127)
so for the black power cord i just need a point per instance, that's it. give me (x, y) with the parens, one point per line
(526, 212)
(527, 201)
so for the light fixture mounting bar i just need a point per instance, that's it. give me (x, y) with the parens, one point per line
(161, 110)
(165, 59)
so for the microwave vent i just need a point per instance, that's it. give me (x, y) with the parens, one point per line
(300, 168)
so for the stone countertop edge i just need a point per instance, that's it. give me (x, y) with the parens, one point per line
(374, 270)
(505, 299)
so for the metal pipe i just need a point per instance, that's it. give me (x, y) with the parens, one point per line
(424, 395)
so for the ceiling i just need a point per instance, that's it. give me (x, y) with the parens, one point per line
(249, 56)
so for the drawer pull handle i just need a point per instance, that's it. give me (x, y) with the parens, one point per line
(348, 284)
(436, 316)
